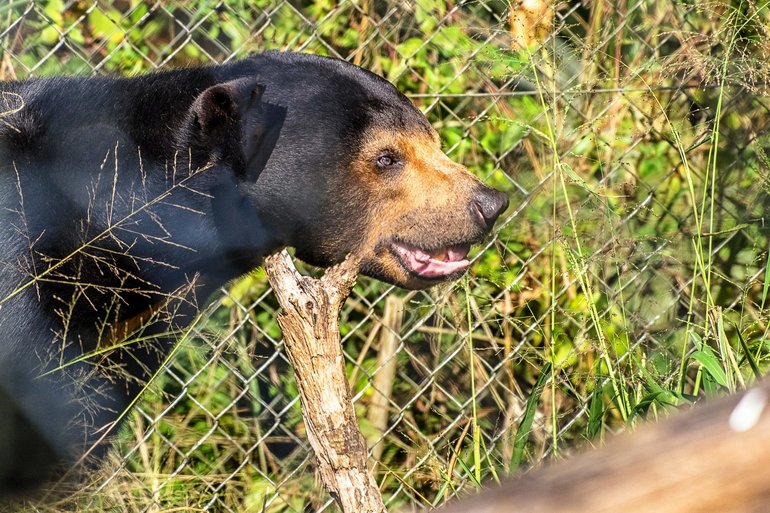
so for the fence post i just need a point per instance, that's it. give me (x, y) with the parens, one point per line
(382, 382)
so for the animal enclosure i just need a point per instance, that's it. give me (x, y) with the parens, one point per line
(629, 275)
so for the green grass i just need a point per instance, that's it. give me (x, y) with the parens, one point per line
(630, 276)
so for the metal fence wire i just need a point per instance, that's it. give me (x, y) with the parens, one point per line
(630, 137)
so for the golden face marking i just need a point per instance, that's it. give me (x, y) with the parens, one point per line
(422, 214)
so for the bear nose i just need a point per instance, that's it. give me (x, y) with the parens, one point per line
(489, 204)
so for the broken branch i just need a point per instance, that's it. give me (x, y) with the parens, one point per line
(310, 325)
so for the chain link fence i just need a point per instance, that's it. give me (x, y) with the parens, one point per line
(631, 139)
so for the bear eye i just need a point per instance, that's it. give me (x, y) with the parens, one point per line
(386, 160)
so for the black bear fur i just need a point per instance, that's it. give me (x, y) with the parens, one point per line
(128, 201)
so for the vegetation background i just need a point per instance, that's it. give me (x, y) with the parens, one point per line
(630, 275)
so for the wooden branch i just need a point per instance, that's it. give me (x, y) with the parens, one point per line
(711, 458)
(310, 324)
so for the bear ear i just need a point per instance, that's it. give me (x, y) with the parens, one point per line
(231, 123)
(222, 104)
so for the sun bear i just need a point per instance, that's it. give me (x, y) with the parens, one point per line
(128, 201)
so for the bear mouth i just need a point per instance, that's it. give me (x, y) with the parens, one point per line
(433, 264)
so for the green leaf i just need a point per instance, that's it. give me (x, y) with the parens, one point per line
(525, 427)
(595, 414)
(697, 340)
(410, 47)
(54, 9)
(577, 179)
(710, 362)
(105, 25)
(766, 283)
(749, 357)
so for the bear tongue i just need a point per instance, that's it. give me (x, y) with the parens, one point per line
(457, 253)
(434, 264)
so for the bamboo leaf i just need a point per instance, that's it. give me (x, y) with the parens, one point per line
(525, 427)
(710, 362)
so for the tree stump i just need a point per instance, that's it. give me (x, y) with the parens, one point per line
(310, 325)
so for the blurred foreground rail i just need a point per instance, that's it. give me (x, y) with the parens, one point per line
(712, 458)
